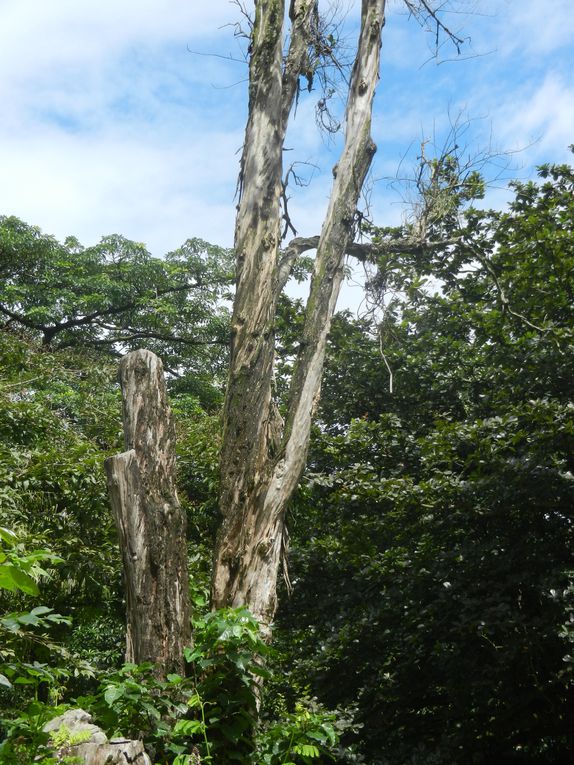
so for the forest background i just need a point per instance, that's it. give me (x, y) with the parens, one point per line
(431, 535)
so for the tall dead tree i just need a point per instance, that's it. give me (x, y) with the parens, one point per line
(150, 521)
(263, 457)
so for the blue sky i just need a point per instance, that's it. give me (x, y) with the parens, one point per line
(111, 124)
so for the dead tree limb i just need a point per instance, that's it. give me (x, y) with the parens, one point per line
(150, 521)
(261, 459)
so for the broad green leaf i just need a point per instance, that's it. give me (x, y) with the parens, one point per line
(194, 701)
(330, 731)
(113, 693)
(188, 727)
(8, 536)
(12, 578)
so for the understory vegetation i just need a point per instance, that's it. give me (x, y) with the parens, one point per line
(427, 612)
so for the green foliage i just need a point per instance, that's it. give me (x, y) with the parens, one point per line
(212, 713)
(62, 741)
(58, 411)
(306, 735)
(198, 443)
(59, 414)
(228, 653)
(20, 571)
(65, 737)
(115, 296)
(26, 634)
(98, 636)
(441, 518)
(431, 537)
(26, 741)
(133, 703)
(438, 581)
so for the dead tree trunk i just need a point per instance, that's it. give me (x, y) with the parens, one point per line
(150, 521)
(262, 458)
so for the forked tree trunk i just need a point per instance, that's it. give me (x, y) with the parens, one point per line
(262, 458)
(150, 521)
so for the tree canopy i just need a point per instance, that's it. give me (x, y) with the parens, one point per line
(115, 297)
(441, 515)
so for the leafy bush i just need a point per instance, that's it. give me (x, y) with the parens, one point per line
(25, 741)
(19, 572)
(23, 635)
(299, 737)
(211, 715)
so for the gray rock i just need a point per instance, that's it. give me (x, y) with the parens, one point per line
(79, 723)
(86, 741)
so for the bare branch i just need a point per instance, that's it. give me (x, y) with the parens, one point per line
(299, 180)
(261, 461)
(385, 360)
(49, 331)
(320, 62)
(448, 176)
(304, 15)
(18, 317)
(143, 335)
(336, 234)
(426, 15)
(362, 251)
(239, 30)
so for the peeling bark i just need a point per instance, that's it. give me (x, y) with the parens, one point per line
(150, 521)
(262, 458)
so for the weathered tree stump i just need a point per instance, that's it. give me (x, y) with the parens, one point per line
(150, 521)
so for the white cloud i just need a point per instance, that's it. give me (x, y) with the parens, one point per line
(38, 33)
(540, 117)
(79, 56)
(110, 124)
(538, 28)
(155, 192)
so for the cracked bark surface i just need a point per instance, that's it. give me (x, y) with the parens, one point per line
(262, 457)
(150, 521)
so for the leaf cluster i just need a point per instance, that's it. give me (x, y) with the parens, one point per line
(115, 297)
(440, 516)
